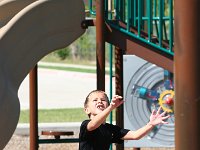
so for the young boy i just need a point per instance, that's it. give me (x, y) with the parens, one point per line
(96, 134)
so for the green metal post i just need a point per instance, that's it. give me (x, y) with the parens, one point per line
(128, 14)
(134, 12)
(149, 12)
(122, 10)
(155, 15)
(171, 23)
(160, 22)
(110, 61)
(92, 12)
(111, 75)
(117, 9)
(139, 17)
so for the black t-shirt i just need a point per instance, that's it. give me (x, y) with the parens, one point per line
(100, 138)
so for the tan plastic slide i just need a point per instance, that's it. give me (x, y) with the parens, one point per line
(8, 8)
(30, 30)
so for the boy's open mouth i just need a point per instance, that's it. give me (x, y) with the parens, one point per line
(101, 107)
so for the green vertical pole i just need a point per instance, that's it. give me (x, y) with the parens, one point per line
(134, 12)
(128, 14)
(106, 10)
(110, 60)
(155, 8)
(122, 10)
(139, 17)
(91, 8)
(155, 15)
(171, 23)
(117, 9)
(111, 74)
(149, 12)
(160, 22)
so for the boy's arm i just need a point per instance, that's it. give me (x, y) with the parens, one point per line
(100, 118)
(138, 134)
(155, 119)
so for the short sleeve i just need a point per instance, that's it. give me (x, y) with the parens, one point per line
(83, 129)
(118, 133)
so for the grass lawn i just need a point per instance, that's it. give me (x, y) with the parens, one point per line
(56, 115)
(69, 69)
(73, 69)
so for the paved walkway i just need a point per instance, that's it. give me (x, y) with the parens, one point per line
(60, 89)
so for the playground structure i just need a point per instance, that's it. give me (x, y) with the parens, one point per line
(35, 28)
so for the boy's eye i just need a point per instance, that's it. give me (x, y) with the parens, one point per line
(95, 100)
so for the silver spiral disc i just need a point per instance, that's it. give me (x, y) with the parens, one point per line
(139, 110)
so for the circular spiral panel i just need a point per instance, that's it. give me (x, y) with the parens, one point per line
(150, 76)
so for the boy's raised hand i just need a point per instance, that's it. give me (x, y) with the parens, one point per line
(116, 101)
(158, 118)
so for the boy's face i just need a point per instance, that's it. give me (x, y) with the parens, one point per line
(96, 104)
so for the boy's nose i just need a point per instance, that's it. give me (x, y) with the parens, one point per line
(99, 101)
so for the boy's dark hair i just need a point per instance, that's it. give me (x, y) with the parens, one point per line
(94, 91)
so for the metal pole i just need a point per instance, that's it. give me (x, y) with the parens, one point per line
(33, 109)
(100, 44)
(187, 75)
(119, 88)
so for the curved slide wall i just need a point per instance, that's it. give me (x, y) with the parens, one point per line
(38, 29)
(8, 8)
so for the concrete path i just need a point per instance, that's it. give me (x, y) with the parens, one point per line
(60, 89)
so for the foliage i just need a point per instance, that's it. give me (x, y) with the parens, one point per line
(63, 53)
(86, 45)
(83, 48)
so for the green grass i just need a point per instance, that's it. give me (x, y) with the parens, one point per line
(74, 69)
(56, 115)
(51, 58)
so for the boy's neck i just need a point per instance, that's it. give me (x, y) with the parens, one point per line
(92, 116)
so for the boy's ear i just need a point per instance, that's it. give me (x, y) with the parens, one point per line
(87, 111)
